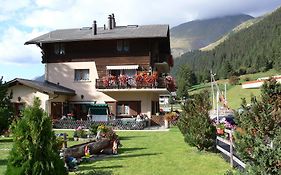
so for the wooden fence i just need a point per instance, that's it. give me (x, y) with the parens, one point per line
(226, 146)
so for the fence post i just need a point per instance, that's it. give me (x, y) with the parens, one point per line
(231, 148)
(64, 140)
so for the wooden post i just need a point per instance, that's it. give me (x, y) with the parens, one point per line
(64, 140)
(231, 148)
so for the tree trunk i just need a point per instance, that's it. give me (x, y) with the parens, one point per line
(95, 147)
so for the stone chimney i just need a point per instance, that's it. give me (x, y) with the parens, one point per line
(109, 22)
(94, 28)
(113, 21)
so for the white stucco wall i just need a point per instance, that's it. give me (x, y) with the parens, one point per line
(63, 73)
(27, 95)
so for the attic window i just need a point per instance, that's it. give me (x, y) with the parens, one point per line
(123, 46)
(59, 49)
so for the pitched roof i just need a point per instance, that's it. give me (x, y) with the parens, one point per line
(46, 86)
(86, 34)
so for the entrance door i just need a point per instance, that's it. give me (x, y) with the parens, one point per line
(56, 110)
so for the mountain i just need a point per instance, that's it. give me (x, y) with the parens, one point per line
(200, 33)
(40, 78)
(254, 48)
(242, 26)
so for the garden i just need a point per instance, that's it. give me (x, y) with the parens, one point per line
(143, 153)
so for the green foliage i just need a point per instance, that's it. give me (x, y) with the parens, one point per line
(94, 129)
(185, 79)
(255, 49)
(258, 142)
(34, 150)
(80, 132)
(195, 124)
(5, 107)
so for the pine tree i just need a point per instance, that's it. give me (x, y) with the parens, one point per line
(258, 141)
(5, 107)
(195, 123)
(34, 150)
(185, 79)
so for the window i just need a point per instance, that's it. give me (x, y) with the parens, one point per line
(123, 46)
(59, 49)
(81, 75)
(123, 109)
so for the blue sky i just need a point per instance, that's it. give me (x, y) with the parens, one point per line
(22, 20)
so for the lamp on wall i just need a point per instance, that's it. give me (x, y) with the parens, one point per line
(19, 98)
(82, 96)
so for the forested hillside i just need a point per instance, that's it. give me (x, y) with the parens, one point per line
(253, 49)
(200, 33)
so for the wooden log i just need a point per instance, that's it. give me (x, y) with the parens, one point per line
(95, 147)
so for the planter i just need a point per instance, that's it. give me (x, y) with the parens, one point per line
(220, 131)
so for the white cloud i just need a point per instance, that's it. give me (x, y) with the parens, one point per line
(38, 15)
(8, 8)
(13, 50)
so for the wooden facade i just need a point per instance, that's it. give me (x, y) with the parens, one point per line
(142, 52)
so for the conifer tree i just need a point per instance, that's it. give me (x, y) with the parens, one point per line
(258, 141)
(195, 123)
(34, 150)
(5, 107)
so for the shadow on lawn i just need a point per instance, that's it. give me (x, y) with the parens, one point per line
(129, 137)
(94, 172)
(125, 150)
(8, 140)
(3, 162)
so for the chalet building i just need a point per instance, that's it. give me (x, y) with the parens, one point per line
(126, 67)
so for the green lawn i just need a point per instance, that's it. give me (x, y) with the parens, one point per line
(5, 145)
(143, 153)
(236, 93)
(158, 153)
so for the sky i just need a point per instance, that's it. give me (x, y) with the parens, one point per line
(22, 20)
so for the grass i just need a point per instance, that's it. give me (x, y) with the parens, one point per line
(5, 144)
(158, 153)
(155, 153)
(235, 92)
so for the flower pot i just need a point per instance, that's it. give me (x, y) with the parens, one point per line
(220, 131)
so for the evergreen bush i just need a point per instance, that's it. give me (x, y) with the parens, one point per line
(258, 140)
(34, 150)
(5, 107)
(195, 123)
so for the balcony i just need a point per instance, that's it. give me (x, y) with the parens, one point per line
(140, 82)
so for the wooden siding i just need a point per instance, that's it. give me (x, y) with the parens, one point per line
(142, 52)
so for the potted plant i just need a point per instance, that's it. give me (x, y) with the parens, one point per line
(220, 128)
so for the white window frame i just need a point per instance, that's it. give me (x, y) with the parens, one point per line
(81, 77)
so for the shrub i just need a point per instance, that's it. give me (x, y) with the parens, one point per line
(259, 143)
(195, 123)
(80, 132)
(35, 148)
(93, 129)
(233, 80)
(5, 107)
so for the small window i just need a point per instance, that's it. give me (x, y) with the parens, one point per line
(81, 75)
(119, 45)
(123, 109)
(59, 49)
(123, 46)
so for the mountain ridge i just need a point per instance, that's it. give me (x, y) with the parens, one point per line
(196, 34)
